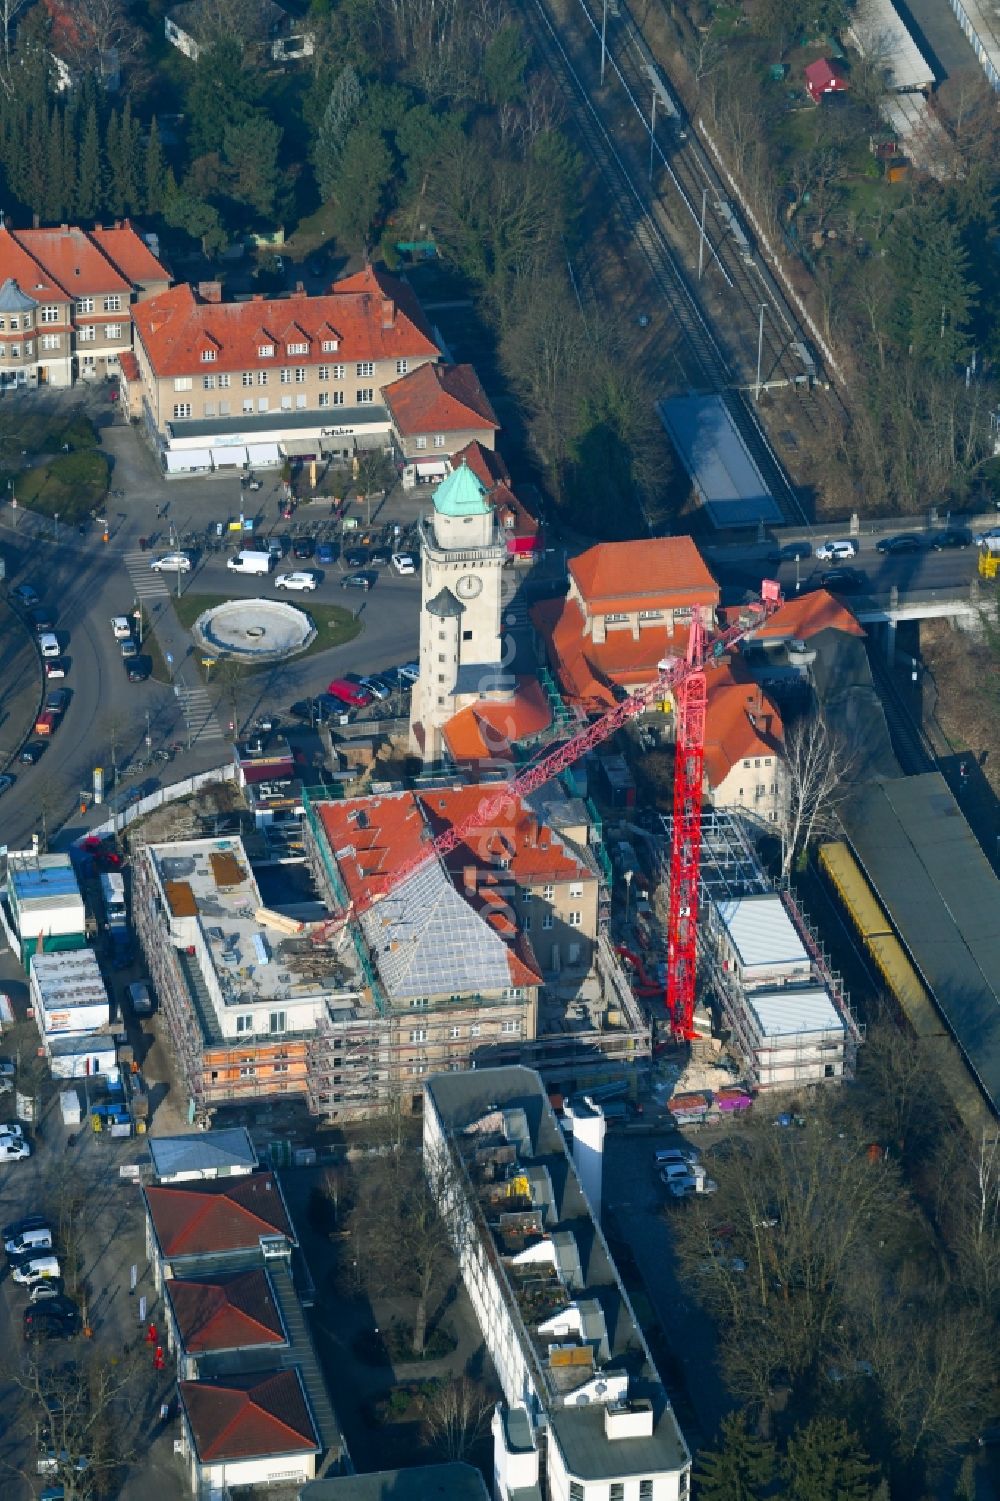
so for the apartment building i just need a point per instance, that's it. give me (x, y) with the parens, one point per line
(223, 384)
(66, 301)
(437, 410)
(744, 765)
(584, 1415)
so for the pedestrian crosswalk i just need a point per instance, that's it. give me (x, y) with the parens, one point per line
(145, 583)
(199, 716)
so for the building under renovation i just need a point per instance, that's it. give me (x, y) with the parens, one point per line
(349, 1004)
(764, 972)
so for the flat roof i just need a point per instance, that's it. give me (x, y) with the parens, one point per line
(47, 880)
(881, 35)
(729, 485)
(208, 883)
(761, 931)
(68, 978)
(789, 1013)
(978, 19)
(263, 423)
(446, 1482)
(931, 876)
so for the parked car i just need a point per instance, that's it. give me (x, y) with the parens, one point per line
(407, 674)
(376, 686)
(138, 669)
(905, 542)
(24, 595)
(317, 710)
(954, 536)
(992, 534)
(12, 1128)
(39, 1269)
(20, 1227)
(13, 1148)
(303, 547)
(43, 618)
(172, 562)
(121, 627)
(326, 552)
(49, 1287)
(32, 752)
(48, 1321)
(6, 782)
(843, 580)
(795, 552)
(350, 692)
(55, 667)
(356, 557)
(358, 581)
(379, 556)
(56, 700)
(404, 562)
(129, 650)
(830, 551)
(48, 645)
(299, 581)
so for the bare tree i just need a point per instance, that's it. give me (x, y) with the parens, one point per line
(455, 1416)
(99, 28)
(9, 12)
(816, 765)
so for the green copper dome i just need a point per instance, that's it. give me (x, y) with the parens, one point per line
(461, 494)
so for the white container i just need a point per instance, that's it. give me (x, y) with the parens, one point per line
(69, 1104)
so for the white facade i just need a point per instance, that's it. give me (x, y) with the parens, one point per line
(798, 1037)
(758, 944)
(68, 993)
(45, 896)
(270, 1470)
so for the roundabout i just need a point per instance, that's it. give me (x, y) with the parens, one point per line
(253, 630)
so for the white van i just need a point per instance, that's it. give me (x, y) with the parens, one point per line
(29, 1240)
(247, 561)
(29, 1273)
(48, 645)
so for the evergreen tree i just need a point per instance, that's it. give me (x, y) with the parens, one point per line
(223, 92)
(55, 168)
(342, 113)
(935, 296)
(126, 170)
(504, 62)
(741, 1467)
(362, 178)
(36, 178)
(154, 171)
(112, 156)
(251, 152)
(826, 1462)
(88, 189)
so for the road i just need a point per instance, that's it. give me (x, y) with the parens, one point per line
(740, 567)
(87, 581)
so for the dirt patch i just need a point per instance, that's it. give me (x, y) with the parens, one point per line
(966, 686)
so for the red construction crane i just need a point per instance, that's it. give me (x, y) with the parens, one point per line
(683, 679)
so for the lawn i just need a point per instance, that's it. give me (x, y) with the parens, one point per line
(70, 486)
(26, 430)
(335, 626)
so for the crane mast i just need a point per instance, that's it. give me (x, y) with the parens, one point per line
(680, 678)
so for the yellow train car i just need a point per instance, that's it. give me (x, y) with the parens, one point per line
(905, 986)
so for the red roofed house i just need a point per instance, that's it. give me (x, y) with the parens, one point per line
(744, 768)
(629, 605)
(437, 410)
(227, 1221)
(248, 1430)
(66, 301)
(227, 383)
(823, 77)
(209, 1318)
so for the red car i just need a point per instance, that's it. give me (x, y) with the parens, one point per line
(350, 693)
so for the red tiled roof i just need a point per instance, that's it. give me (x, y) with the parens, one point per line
(373, 282)
(128, 365)
(731, 735)
(247, 1417)
(439, 399)
(175, 327)
(226, 1313)
(486, 464)
(822, 74)
(73, 260)
(129, 252)
(588, 670)
(657, 572)
(17, 265)
(804, 615)
(198, 1219)
(487, 730)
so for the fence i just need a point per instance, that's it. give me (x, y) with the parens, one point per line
(184, 788)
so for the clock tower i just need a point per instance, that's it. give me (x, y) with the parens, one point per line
(461, 644)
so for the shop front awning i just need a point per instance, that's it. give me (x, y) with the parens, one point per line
(302, 448)
(229, 456)
(263, 453)
(179, 460)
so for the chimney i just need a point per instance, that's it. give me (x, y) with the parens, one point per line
(469, 875)
(388, 312)
(210, 291)
(588, 1156)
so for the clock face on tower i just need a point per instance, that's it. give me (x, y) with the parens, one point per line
(468, 586)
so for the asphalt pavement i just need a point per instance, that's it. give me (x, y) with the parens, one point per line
(740, 567)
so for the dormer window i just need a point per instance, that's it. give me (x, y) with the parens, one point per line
(265, 351)
(207, 356)
(298, 348)
(330, 346)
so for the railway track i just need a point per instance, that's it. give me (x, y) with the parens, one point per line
(705, 363)
(913, 750)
